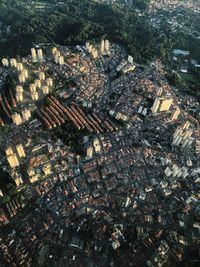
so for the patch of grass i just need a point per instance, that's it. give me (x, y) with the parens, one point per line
(188, 77)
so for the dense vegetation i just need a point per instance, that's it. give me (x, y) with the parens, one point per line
(140, 4)
(75, 22)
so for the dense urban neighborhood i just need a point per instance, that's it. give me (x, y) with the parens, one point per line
(105, 155)
(99, 133)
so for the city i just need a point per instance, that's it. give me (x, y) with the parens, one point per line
(99, 159)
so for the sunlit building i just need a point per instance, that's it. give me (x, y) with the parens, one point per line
(5, 62)
(175, 114)
(45, 89)
(161, 105)
(13, 161)
(33, 55)
(26, 114)
(61, 60)
(13, 62)
(42, 76)
(49, 82)
(16, 117)
(40, 55)
(20, 151)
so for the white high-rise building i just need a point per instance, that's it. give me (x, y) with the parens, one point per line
(40, 55)
(22, 78)
(13, 62)
(32, 88)
(54, 50)
(42, 76)
(20, 151)
(26, 114)
(87, 45)
(13, 161)
(5, 62)
(90, 48)
(20, 66)
(9, 151)
(33, 55)
(94, 53)
(56, 58)
(156, 105)
(49, 82)
(25, 73)
(90, 152)
(102, 46)
(130, 59)
(107, 46)
(35, 96)
(16, 117)
(20, 97)
(37, 83)
(19, 89)
(45, 89)
(61, 60)
(176, 112)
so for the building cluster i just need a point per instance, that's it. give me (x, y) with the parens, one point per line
(13, 159)
(125, 191)
(173, 4)
(19, 119)
(59, 59)
(17, 104)
(126, 65)
(40, 85)
(37, 55)
(95, 52)
(175, 13)
(183, 135)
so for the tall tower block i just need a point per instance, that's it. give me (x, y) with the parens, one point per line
(13, 62)
(107, 45)
(175, 114)
(156, 105)
(13, 161)
(49, 82)
(5, 62)
(102, 46)
(87, 45)
(17, 118)
(9, 151)
(45, 89)
(40, 54)
(42, 76)
(33, 55)
(19, 97)
(26, 114)
(61, 60)
(20, 151)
